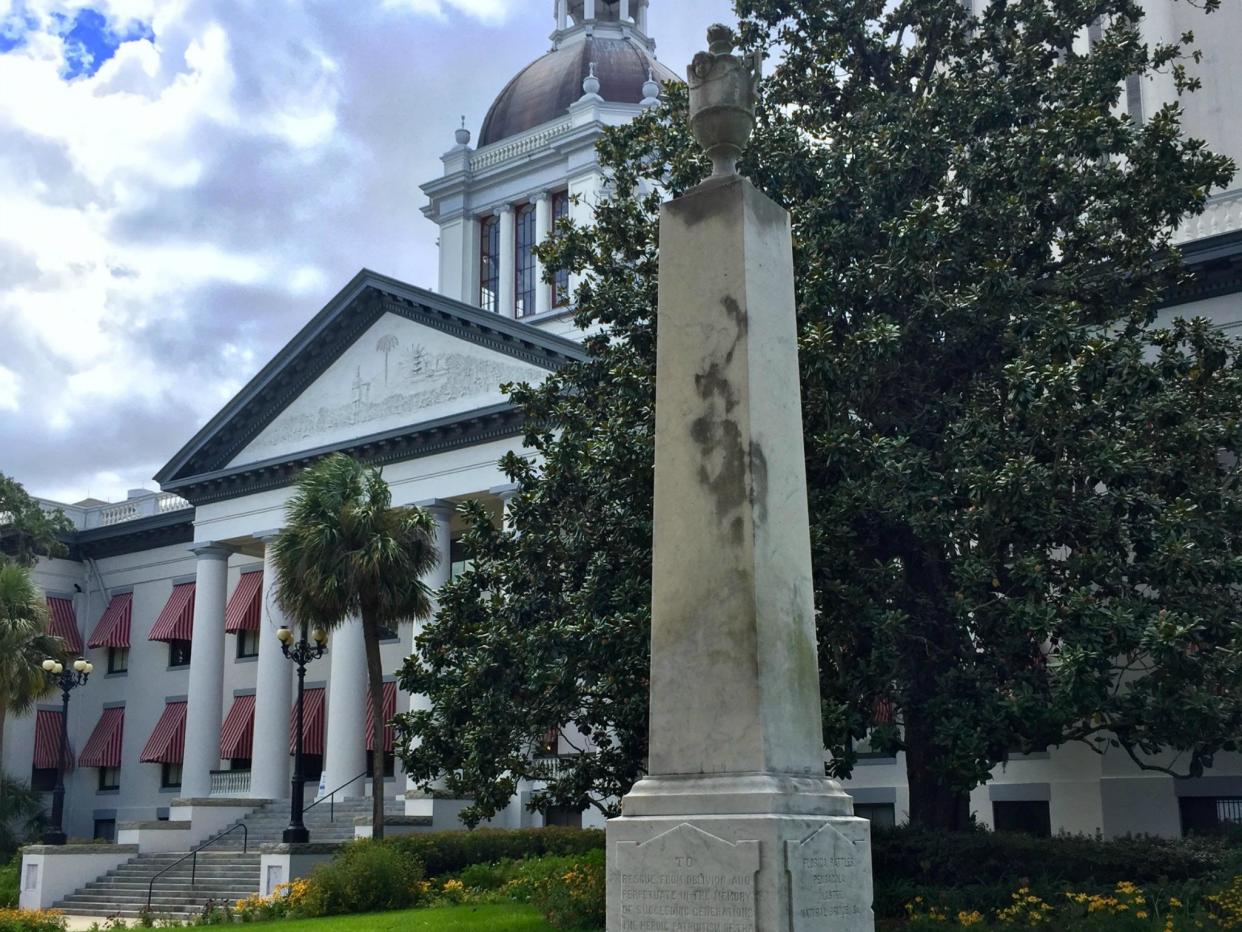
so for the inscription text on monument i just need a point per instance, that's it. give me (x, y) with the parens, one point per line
(830, 877)
(687, 880)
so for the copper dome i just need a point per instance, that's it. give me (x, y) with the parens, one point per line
(545, 88)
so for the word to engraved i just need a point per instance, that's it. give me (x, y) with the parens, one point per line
(688, 881)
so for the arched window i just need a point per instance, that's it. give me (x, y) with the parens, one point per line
(527, 280)
(489, 264)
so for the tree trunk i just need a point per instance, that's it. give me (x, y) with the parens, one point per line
(933, 803)
(375, 681)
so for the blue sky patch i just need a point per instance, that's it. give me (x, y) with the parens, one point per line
(90, 40)
(15, 26)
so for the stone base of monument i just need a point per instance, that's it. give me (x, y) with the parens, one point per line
(762, 853)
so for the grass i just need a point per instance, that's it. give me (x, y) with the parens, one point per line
(501, 918)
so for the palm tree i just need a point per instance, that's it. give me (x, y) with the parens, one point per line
(347, 552)
(387, 343)
(24, 644)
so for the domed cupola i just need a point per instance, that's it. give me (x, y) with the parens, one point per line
(607, 35)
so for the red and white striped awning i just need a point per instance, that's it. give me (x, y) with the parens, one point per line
(47, 741)
(176, 620)
(237, 732)
(313, 721)
(113, 627)
(390, 710)
(103, 749)
(242, 613)
(62, 622)
(167, 742)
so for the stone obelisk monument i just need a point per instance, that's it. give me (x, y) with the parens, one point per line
(736, 828)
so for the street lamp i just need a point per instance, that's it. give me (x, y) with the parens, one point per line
(300, 652)
(67, 680)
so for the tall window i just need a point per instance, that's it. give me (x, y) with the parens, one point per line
(560, 284)
(489, 264)
(526, 276)
(178, 653)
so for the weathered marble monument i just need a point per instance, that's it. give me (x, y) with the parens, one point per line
(736, 828)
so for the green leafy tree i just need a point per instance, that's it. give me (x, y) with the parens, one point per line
(1023, 485)
(26, 530)
(345, 553)
(24, 645)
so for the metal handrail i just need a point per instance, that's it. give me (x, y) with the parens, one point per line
(331, 797)
(194, 854)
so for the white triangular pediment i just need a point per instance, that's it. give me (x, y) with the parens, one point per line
(398, 374)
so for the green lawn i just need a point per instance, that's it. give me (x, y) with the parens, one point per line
(446, 919)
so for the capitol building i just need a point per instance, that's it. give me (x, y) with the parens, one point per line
(167, 594)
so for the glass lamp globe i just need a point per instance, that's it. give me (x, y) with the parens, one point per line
(58, 668)
(319, 636)
(283, 634)
(80, 665)
(49, 665)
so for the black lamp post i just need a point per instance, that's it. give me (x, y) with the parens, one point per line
(68, 680)
(300, 652)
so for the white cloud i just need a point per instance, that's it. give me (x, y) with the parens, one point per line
(9, 386)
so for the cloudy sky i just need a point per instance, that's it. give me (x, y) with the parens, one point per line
(184, 183)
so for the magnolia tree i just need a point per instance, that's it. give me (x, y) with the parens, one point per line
(1024, 501)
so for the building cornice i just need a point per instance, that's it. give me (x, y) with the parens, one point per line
(1215, 264)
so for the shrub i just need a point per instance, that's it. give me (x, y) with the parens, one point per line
(10, 882)
(573, 897)
(366, 877)
(19, 920)
(450, 852)
(936, 859)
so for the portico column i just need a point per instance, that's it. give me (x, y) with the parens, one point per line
(346, 751)
(642, 16)
(206, 689)
(562, 15)
(417, 803)
(506, 494)
(625, 11)
(543, 228)
(588, 10)
(269, 766)
(508, 261)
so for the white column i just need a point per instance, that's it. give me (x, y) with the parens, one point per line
(642, 16)
(508, 261)
(417, 804)
(505, 493)
(543, 229)
(588, 9)
(346, 751)
(270, 762)
(562, 15)
(625, 11)
(206, 690)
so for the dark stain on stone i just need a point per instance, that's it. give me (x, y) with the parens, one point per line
(734, 472)
(705, 201)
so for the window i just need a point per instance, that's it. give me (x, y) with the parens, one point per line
(1028, 817)
(247, 643)
(562, 817)
(170, 776)
(178, 653)
(560, 282)
(489, 264)
(550, 744)
(527, 278)
(118, 659)
(458, 563)
(390, 764)
(105, 830)
(109, 778)
(1204, 815)
(880, 815)
(1134, 97)
(43, 779)
(239, 763)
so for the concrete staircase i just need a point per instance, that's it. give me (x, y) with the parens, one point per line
(224, 873)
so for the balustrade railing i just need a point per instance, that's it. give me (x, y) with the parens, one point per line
(230, 783)
(1223, 214)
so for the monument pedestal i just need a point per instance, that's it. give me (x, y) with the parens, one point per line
(761, 853)
(737, 829)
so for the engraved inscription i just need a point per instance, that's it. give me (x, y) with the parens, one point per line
(830, 877)
(687, 880)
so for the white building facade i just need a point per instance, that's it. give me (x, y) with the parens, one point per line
(170, 594)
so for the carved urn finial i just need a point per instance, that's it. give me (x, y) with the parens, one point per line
(722, 99)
